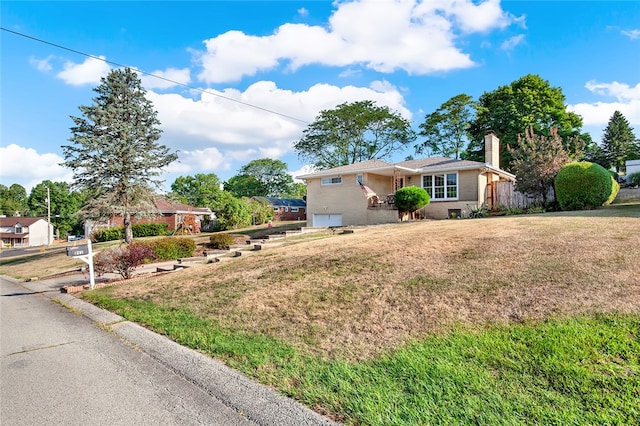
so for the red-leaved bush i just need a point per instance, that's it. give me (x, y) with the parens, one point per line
(123, 260)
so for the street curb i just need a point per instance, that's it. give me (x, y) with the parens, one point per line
(259, 403)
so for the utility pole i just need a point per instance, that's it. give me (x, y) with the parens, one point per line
(49, 232)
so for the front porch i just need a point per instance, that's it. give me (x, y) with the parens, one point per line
(381, 211)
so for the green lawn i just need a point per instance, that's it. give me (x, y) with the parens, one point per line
(584, 370)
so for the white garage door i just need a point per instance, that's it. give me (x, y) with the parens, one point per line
(327, 220)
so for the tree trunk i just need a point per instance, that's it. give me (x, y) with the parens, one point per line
(128, 232)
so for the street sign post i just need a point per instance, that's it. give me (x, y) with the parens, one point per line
(84, 253)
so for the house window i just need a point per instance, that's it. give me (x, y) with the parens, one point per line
(276, 209)
(441, 186)
(332, 180)
(294, 209)
(18, 229)
(359, 180)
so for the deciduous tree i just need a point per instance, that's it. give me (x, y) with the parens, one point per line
(64, 205)
(13, 200)
(274, 179)
(445, 130)
(114, 153)
(354, 132)
(245, 186)
(537, 160)
(529, 102)
(201, 190)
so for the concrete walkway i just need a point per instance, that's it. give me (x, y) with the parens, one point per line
(59, 367)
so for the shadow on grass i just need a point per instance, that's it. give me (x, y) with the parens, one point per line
(30, 257)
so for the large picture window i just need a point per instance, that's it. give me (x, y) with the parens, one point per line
(442, 186)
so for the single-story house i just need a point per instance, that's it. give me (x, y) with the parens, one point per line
(363, 193)
(179, 217)
(286, 208)
(20, 231)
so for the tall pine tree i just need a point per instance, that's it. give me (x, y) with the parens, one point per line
(115, 155)
(618, 142)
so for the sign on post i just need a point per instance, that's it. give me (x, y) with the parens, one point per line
(85, 254)
(78, 250)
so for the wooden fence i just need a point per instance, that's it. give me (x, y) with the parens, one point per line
(506, 195)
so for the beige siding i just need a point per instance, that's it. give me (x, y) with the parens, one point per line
(346, 198)
(440, 209)
(468, 186)
(349, 200)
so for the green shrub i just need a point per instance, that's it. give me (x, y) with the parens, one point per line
(584, 185)
(168, 248)
(476, 212)
(221, 241)
(411, 198)
(634, 178)
(150, 229)
(139, 230)
(108, 234)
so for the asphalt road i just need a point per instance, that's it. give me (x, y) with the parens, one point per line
(64, 361)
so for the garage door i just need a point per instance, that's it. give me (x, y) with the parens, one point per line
(327, 220)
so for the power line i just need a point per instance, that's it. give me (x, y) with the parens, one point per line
(153, 75)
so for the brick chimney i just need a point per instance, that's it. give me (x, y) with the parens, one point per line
(492, 149)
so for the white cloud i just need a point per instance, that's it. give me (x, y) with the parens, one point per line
(40, 167)
(42, 65)
(165, 79)
(474, 17)
(88, 72)
(512, 42)
(214, 133)
(627, 101)
(303, 12)
(304, 170)
(621, 91)
(632, 34)
(418, 37)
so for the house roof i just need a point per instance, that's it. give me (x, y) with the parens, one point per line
(166, 206)
(22, 220)
(420, 166)
(283, 202)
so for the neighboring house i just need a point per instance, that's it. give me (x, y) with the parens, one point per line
(363, 193)
(25, 232)
(178, 217)
(286, 208)
(633, 166)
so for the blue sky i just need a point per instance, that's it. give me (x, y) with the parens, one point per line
(296, 58)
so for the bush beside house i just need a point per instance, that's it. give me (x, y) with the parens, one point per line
(411, 198)
(585, 185)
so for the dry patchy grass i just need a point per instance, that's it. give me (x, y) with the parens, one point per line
(40, 264)
(359, 294)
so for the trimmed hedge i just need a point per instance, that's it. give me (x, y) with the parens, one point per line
(221, 241)
(139, 230)
(411, 198)
(151, 229)
(634, 178)
(584, 185)
(168, 248)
